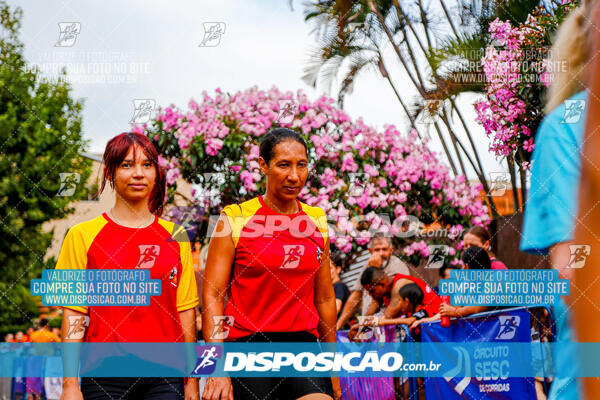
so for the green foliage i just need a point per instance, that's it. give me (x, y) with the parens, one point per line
(55, 323)
(40, 138)
(18, 309)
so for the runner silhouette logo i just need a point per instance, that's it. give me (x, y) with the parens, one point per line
(508, 327)
(292, 254)
(207, 359)
(221, 326)
(579, 254)
(574, 109)
(148, 255)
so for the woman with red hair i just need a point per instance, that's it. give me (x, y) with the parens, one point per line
(132, 235)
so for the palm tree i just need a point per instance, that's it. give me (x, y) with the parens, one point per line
(436, 42)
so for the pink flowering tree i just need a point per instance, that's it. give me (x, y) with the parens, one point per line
(365, 180)
(517, 78)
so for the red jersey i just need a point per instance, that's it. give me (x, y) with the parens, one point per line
(277, 258)
(103, 244)
(431, 301)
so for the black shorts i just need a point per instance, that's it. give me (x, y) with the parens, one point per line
(132, 388)
(279, 388)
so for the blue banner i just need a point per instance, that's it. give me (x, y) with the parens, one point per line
(495, 362)
(482, 371)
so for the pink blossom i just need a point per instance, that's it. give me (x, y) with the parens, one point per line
(394, 168)
(213, 146)
(162, 162)
(370, 171)
(348, 163)
(172, 175)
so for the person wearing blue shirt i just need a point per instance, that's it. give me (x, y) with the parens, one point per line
(551, 207)
(550, 214)
(552, 203)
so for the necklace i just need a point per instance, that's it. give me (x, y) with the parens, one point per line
(116, 220)
(274, 207)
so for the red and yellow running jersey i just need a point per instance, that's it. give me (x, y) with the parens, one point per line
(103, 244)
(277, 258)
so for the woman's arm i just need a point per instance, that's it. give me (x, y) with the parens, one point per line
(418, 322)
(217, 276)
(74, 324)
(188, 323)
(350, 308)
(396, 321)
(325, 304)
(446, 310)
(586, 286)
(325, 299)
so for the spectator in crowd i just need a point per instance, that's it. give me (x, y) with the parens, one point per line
(29, 331)
(444, 273)
(381, 257)
(386, 290)
(480, 237)
(476, 258)
(9, 338)
(44, 335)
(341, 290)
(473, 258)
(21, 338)
(56, 331)
(408, 300)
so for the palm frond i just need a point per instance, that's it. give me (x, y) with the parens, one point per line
(357, 63)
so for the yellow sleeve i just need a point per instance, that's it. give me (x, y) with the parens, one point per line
(317, 215)
(322, 223)
(235, 219)
(73, 255)
(187, 291)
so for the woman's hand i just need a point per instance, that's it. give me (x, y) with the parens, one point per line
(418, 322)
(447, 310)
(71, 393)
(192, 390)
(218, 388)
